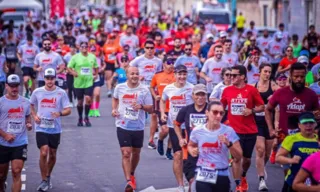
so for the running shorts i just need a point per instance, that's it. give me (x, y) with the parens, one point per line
(52, 140)
(28, 71)
(81, 92)
(8, 154)
(128, 138)
(247, 142)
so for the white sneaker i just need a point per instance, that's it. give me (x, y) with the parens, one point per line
(156, 136)
(263, 185)
(181, 189)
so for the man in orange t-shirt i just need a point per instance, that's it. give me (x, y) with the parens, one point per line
(158, 83)
(110, 49)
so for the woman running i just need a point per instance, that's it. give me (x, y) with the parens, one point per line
(119, 75)
(287, 61)
(218, 89)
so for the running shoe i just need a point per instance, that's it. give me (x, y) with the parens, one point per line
(151, 145)
(109, 94)
(263, 185)
(133, 180)
(181, 189)
(244, 184)
(160, 149)
(91, 113)
(49, 182)
(87, 122)
(272, 158)
(169, 156)
(129, 187)
(80, 123)
(43, 186)
(97, 113)
(239, 189)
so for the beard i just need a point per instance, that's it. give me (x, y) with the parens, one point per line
(297, 87)
(47, 49)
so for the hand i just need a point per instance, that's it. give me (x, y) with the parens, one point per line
(223, 139)
(183, 142)
(157, 98)
(194, 152)
(39, 69)
(115, 113)
(247, 112)
(55, 114)
(37, 119)
(295, 159)
(9, 138)
(136, 106)
(164, 117)
(208, 79)
(141, 78)
(29, 126)
(75, 74)
(272, 133)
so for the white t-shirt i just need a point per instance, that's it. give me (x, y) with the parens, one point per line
(47, 60)
(231, 58)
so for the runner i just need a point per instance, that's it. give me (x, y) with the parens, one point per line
(212, 142)
(212, 68)
(71, 92)
(83, 66)
(292, 100)
(218, 89)
(159, 81)
(191, 62)
(177, 51)
(252, 64)
(130, 39)
(228, 56)
(243, 101)
(15, 120)
(26, 56)
(266, 87)
(179, 95)
(275, 51)
(47, 59)
(119, 76)
(130, 102)
(287, 61)
(299, 146)
(3, 71)
(192, 116)
(148, 65)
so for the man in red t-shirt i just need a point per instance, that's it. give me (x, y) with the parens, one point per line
(243, 101)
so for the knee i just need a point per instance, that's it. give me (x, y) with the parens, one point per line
(165, 129)
(126, 154)
(88, 99)
(16, 172)
(260, 151)
(44, 152)
(80, 102)
(177, 156)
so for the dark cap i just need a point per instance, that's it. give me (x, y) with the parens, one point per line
(306, 117)
(281, 75)
(180, 68)
(124, 57)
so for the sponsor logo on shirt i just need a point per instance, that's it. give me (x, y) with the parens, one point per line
(239, 99)
(188, 65)
(149, 68)
(46, 61)
(265, 43)
(276, 47)
(30, 51)
(208, 148)
(15, 112)
(180, 99)
(296, 105)
(129, 98)
(48, 103)
(216, 70)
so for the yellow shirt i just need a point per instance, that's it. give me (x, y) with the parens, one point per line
(240, 21)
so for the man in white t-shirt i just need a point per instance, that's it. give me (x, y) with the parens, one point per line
(228, 55)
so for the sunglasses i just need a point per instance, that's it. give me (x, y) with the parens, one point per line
(234, 75)
(187, 49)
(149, 47)
(289, 50)
(227, 74)
(124, 60)
(13, 85)
(84, 47)
(216, 112)
(170, 62)
(282, 79)
(47, 44)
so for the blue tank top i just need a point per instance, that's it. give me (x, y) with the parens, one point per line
(122, 77)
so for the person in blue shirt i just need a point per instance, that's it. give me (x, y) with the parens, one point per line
(191, 62)
(119, 76)
(204, 49)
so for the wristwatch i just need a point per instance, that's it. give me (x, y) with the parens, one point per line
(230, 144)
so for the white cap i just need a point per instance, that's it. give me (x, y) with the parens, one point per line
(50, 72)
(279, 35)
(209, 36)
(223, 34)
(13, 79)
(303, 59)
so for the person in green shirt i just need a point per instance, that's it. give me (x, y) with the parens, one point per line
(83, 66)
(296, 46)
(95, 23)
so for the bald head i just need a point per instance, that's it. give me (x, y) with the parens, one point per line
(132, 69)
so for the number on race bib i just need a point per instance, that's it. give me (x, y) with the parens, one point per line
(207, 176)
(111, 57)
(85, 71)
(47, 123)
(237, 108)
(60, 82)
(197, 119)
(15, 127)
(131, 114)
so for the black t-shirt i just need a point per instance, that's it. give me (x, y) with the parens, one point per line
(175, 54)
(191, 117)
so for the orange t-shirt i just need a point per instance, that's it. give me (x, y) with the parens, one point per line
(285, 62)
(110, 51)
(64, 49)
(195, 49)
(160, 81)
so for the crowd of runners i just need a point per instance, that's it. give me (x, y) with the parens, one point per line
(219, 96)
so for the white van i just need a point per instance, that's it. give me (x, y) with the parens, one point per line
(18, 18)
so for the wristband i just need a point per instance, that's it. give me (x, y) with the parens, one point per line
(230, 144)
(60, 114)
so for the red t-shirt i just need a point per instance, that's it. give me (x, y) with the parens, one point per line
(170, 43)
(291, 105)
(161, 47)
(237, 100)
(285, 62)
(315, 60)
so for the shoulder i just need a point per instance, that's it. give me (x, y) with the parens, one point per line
(189, 85)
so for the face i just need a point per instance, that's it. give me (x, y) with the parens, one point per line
(177, 43)
(265, 73)
(199, 98)
(158, 40)
(181, 77)
(223, 39)
(282, 82)
(298, 80)
(265, 33)
(29, 42)
(149, 49)
(49, 81)
(227, 46)
(46, 45)
(307, 128)
(133, 75)
(61, 41)
(227, 77)
(236, 78)
(169, 65)
(188, 49)
(215, 114)
(84, 48)
(218, 52)
(125, 62)
(252, 41)
(255, 58)
(12, 90)
(129, 30)
(289, 52)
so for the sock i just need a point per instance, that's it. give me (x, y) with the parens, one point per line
(132, 173)
(93, 106)
(160, 141)
(168, 150)
(244, 174)
(86, 111)
(97, 105)
(80, 111)
(261, 178)
(237, 181)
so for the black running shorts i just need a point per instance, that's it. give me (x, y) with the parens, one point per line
(128, 138)
(8, 154)
(52, 140)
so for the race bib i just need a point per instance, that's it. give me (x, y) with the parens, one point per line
(47, 123)
(261, 114)
(237, 108)
(85, 71)
(197, 119)
(207, 176)
(111, 57)
(15, 127)
(60, 82)
(131, 114)
(175, 111)
(293, 131)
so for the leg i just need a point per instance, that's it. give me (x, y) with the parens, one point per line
(3, 175)
(153, 126)
(88, 101)
(44, 152)
(269, 145)
(126, 161)
(260, 155)
(135, 159)
(178, 167)
(108, 75)
(16, 168)
(52, 160)
(26, 83)
(33, 87)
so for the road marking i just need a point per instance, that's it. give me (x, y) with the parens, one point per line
(149, 189)
(152, 189)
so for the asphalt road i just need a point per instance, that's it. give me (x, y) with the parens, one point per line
(89, 160)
